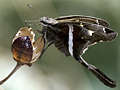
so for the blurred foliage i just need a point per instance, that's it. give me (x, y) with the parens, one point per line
(54, 71)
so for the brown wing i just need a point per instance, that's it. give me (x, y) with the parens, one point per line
(82, 19)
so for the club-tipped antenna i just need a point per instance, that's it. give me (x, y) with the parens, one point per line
(34, 9)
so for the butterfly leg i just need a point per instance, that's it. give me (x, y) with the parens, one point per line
(46, 48)
(99, 74)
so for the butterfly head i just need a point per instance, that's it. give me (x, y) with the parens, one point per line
(48, 21)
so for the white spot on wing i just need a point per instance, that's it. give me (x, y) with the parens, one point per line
(104, 30)
(97, 21)
(81, 25)
(90, 32)
(70, 40)
(101, 40)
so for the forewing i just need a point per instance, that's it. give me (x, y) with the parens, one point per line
(82, 19)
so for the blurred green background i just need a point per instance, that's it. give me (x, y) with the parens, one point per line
(54, 71)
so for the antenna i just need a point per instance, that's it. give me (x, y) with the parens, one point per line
(34, 9)
(31, 21)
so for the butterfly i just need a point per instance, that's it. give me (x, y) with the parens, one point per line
(72, 35)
